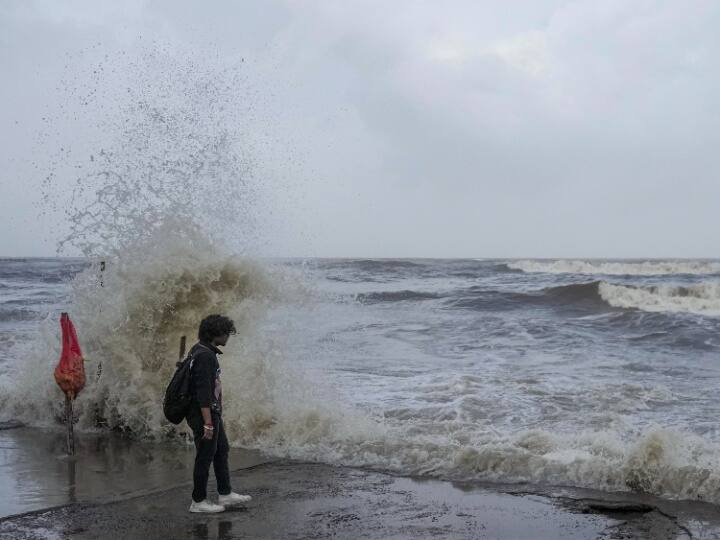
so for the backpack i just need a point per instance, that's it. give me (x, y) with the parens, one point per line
(178, 394)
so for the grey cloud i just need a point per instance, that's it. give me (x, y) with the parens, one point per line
(557, 129)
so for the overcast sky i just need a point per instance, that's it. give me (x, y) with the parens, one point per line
(544, 128)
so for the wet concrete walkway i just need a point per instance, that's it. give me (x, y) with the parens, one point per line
(296, 500)
(36, 473)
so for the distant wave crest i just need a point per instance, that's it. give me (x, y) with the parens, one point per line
(702, 298)
(640, 268)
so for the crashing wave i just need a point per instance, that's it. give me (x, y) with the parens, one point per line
(627, 268)
(701, 299)
(663, 462)
(162, 195)
(130, 328)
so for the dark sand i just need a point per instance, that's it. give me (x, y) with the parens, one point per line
(301, 500)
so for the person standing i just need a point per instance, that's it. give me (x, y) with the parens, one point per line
(205, 417)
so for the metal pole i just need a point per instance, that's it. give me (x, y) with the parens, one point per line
(182, 349)
(69, 420)
(102, 284)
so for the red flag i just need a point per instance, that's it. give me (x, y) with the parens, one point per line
(70, 371)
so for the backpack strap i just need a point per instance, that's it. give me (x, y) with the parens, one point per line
(191, 356)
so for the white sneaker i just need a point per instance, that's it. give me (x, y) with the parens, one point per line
(206, 507)
(233, 498)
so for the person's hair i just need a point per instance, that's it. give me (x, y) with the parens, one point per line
(214, 326)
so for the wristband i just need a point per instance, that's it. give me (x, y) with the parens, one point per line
(209, 428)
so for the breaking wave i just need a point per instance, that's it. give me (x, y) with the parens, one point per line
(664, 462)
(627, 268)
(701, 299)
(130, 328)
(166, 201)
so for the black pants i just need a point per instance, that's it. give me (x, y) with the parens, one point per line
(209, 451)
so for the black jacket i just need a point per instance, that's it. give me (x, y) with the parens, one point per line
(205, 375)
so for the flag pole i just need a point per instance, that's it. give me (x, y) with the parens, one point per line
(69, 420)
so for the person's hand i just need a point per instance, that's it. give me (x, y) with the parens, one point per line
(208, 432)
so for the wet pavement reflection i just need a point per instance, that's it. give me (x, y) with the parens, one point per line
(36, 473)
(222, 530)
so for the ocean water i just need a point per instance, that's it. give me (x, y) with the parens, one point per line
(593, 373)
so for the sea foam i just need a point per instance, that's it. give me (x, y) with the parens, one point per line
(639, 268)
(702, 298)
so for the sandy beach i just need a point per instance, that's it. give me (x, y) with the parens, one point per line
(116, 494)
